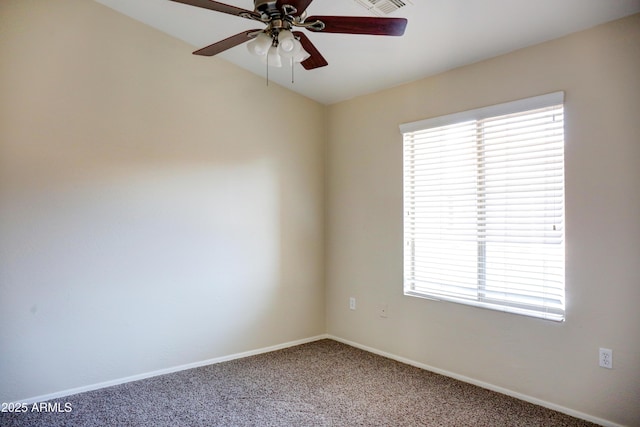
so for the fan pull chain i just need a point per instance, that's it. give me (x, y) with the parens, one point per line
(292, 67)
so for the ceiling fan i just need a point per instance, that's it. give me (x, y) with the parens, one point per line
(278, 41)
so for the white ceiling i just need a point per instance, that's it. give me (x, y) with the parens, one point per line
(441, 35)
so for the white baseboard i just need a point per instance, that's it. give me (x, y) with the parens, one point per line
(520, 396)
(193, 365)
(215, 360)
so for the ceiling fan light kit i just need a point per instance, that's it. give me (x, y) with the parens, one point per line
(273, 48)
(278, 41)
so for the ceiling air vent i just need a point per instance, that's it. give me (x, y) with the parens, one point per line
(383, 7)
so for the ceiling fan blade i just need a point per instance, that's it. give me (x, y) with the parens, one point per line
(316, 60)
(360, 25)
(225, 44)
(300, 5)
(220, 7)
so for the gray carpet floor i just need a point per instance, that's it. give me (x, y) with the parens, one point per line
(323, 383)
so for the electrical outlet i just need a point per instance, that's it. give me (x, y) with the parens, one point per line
(352, 303)
(606, 358)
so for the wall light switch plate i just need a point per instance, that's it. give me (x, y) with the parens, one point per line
(352, 303)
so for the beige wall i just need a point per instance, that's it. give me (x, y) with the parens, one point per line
(152, 213)
(148, 221)
(554, 362)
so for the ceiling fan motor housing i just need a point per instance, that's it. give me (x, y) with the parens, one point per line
(265, 6)
(269, 11)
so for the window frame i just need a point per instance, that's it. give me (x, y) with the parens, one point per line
(478, 115)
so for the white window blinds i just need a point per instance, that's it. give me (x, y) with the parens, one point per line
(484, 207)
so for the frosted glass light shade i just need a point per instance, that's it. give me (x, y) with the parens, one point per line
(260, 45)
(272, 58)
(301, 54)
(287, 44)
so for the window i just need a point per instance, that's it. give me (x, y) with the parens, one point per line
(484, 207)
